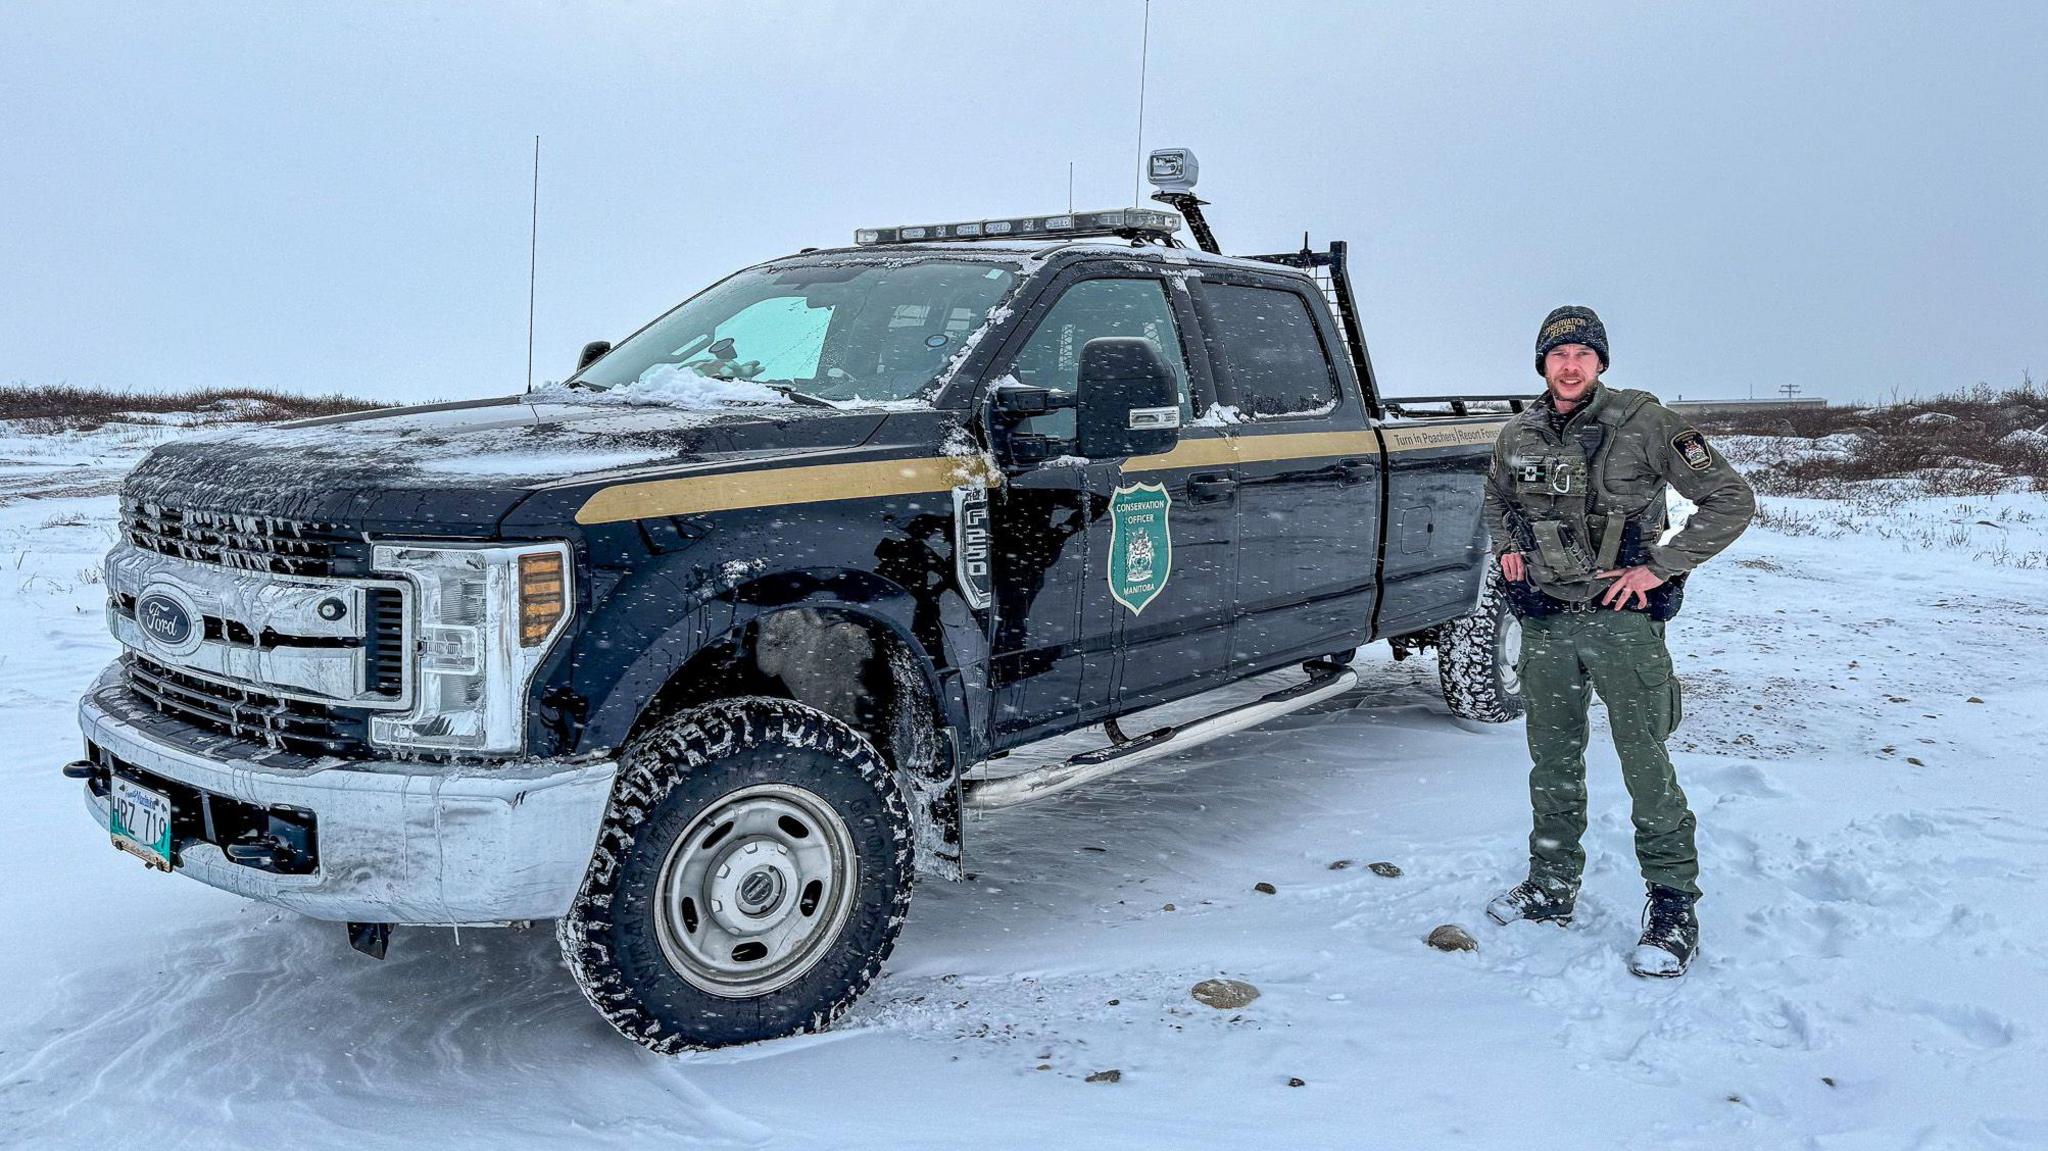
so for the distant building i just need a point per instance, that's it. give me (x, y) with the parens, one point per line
(1737, 407)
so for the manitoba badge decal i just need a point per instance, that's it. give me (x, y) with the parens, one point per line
(1140, 544)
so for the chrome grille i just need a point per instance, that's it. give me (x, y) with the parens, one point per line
(246, 542)
(384, 646)
(386, 642)
(289, 725)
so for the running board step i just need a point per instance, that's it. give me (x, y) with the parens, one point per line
(1054, 778)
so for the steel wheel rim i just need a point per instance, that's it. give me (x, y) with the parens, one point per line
(1511, 654)
(755, 891)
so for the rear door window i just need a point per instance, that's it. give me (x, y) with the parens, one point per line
(1265, 342)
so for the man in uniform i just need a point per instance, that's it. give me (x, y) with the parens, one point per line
(1575, 502)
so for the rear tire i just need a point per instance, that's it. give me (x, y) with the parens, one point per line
(1476, 656)
(751, 875)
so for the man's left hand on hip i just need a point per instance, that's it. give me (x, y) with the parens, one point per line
(1637, 581)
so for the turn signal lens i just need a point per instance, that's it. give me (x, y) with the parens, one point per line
(483, 618)
(540, 596)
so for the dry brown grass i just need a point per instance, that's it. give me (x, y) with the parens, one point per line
(1974, 442)
(63, 408)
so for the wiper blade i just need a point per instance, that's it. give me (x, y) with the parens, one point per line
(805, 398)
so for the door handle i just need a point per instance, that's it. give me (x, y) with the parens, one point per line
(1356, 471)
(1211, 486)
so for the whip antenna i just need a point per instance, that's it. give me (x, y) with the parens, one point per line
(1144, 55)
(533, 261)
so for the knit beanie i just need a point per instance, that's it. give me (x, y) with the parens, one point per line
(1571, 324)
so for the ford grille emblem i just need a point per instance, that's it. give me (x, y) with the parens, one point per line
(167, 623)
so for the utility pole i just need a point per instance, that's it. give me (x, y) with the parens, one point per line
(1788, 390)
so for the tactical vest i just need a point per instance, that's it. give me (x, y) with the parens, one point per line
(1570, 525)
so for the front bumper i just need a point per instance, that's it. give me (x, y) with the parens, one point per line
(398, 842)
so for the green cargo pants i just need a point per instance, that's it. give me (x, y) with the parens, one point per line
(1620, 654)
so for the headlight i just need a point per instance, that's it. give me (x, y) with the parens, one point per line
(483, 617)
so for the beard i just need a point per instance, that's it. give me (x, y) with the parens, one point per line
(1571, 388)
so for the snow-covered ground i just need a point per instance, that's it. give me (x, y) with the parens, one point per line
(1864, 713)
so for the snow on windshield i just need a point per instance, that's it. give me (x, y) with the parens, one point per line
(693, 386)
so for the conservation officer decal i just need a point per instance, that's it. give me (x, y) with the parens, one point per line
(1692, 448)
(1140, 544)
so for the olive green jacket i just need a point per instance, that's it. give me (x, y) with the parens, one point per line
(1563, 500)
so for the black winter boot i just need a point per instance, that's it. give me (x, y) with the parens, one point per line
(1533, 901)
(1671, 935)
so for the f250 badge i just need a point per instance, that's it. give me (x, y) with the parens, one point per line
(971, 545)
(1140, 544)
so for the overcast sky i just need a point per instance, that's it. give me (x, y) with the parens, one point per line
(1852, 198)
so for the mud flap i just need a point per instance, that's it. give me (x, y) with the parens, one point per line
(370, 938)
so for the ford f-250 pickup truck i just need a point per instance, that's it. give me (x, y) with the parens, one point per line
(703, 653)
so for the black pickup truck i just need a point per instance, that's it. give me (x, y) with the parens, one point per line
(703, 653)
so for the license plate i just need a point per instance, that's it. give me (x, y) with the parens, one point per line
(140, 820)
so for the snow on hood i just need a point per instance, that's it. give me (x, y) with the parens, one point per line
(478, 458)
(547, 435)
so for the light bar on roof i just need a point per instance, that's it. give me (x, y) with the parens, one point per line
(1114, 222)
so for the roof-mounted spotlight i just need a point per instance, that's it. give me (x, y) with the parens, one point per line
(1173, 171)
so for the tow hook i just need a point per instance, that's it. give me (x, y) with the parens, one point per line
(370, 938)
(264, 851)
(81, 769)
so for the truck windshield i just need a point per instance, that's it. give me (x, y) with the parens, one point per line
(847, 331)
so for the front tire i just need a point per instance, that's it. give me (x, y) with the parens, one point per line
(1476, 658)
(752, 873)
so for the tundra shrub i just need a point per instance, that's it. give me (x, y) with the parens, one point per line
(1973, 442)
(64, 408)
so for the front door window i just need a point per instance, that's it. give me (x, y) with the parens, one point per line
(1089, 310)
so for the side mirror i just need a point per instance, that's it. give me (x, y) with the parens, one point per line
(1128, 399)
(592, 352)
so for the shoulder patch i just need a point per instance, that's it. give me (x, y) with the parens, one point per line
(1692, 448)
